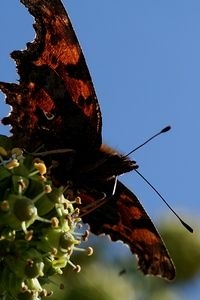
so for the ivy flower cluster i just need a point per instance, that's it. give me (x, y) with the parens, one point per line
(39, 227)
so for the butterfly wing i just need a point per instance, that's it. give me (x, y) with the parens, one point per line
(123, 218)
(55, 100)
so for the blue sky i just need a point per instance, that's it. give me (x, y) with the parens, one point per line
(144, 58)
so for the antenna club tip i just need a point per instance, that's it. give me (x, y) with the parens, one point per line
(188, 227)
(167, 128)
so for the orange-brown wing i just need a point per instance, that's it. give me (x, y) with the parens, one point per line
(54, 103)
(123, 218)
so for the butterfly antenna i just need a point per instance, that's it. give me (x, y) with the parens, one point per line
(156, 191)
(167, 128)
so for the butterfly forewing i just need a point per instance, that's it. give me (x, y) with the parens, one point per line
(55, 84)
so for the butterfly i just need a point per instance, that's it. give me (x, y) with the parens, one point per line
(55, 105)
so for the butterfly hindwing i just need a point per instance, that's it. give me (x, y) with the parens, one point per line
(123, 218)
